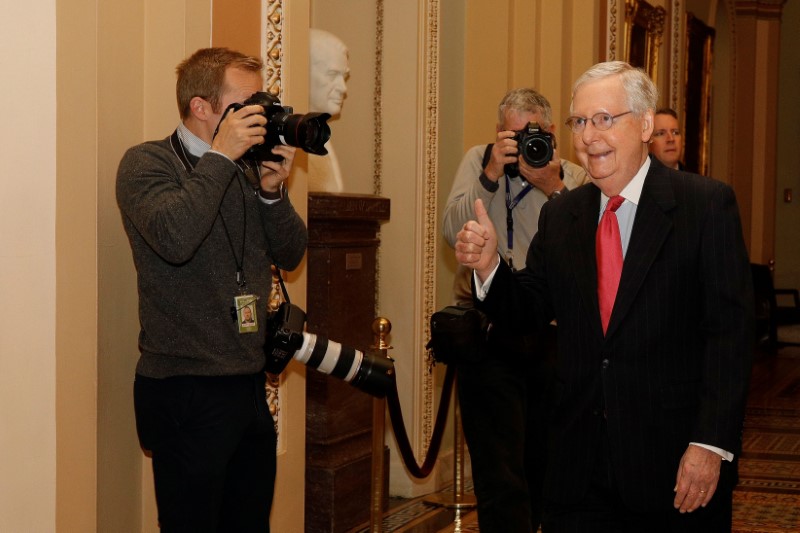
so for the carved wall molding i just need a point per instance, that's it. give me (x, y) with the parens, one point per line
(760, 9)
(377, 118)
(429, 185)
(430, 208)
(273, 49)
(272, 56)
(377, 101)
(611, 31)
(676, 24)
(731, 7)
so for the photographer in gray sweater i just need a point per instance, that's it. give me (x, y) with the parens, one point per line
(204, 226)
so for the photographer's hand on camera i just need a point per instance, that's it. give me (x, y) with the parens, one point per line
(547, 179)
(239, 130)
(504, 152)
(274, 173)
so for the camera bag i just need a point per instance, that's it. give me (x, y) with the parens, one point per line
(458, 335)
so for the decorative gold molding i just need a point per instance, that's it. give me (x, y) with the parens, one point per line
(273, 52)
(643, 34)
(273, 59)
(676, 20)
(274, 381)
(611, 31)
(431, 188)
(431, 133)
(377, 146)
(377, 102)
(731, 6)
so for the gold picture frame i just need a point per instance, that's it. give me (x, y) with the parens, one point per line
(697, 96)
(644, 30)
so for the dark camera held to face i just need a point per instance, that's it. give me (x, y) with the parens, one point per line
(308, 132)
(535, 145)
(286, 340)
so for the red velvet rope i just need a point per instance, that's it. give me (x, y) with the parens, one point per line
(396, 416)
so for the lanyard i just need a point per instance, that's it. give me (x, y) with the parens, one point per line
(510, 205)
(178, 149)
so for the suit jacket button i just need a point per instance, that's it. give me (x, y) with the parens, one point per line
(606, 362)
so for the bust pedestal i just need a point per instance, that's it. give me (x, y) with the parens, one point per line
(342, 251)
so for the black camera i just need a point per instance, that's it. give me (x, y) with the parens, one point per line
(309, 132)
(535, 145)
(286, 340)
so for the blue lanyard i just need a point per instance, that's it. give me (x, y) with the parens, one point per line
(510, 205)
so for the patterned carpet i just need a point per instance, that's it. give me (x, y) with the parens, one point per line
(767, 499)
(419, 516)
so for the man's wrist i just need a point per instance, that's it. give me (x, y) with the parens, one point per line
(556, 193)
(212, 151)
(272, 195)
(488, 184)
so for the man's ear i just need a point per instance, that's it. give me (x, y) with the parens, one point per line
(648, 124)
(200, 108)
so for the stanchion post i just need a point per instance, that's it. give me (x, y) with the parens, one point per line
(458, 451)
(456, 499)
(381, 328)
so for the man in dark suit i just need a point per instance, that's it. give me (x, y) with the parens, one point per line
(647, 420)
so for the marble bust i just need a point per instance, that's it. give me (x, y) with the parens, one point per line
(328, 75)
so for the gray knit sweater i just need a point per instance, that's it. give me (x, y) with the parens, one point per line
(188, 230)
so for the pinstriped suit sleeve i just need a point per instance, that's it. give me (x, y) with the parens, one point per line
(727, 325)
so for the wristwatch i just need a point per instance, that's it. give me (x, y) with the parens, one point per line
(554, 194)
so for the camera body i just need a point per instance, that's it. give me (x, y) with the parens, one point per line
(284, 336)
(535, 145)
(308, 132)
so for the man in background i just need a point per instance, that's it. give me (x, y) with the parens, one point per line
(666, 143)
(504, 397)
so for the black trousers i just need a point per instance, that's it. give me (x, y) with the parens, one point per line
(504, 404)
(213, 445)
(602, 509)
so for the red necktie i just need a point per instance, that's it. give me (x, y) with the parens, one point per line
(609, 259)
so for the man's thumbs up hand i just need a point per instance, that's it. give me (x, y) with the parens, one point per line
(476, 243)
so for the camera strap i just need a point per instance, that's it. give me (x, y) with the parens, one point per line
(283, 287)
(183, 157)
(511, 203)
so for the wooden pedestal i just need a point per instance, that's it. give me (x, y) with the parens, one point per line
(342, 251)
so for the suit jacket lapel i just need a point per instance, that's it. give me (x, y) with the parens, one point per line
(585, 213)
(650, 229)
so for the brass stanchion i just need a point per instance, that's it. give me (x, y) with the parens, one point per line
(381, 328)
(456, 499)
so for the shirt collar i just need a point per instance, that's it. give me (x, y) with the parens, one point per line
(633, 190)
(193, 144)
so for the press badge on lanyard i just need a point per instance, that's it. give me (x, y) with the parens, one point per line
(246, 316)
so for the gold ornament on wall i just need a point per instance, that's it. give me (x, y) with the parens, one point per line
(644, 30)
(273, 56)
(430, 191)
